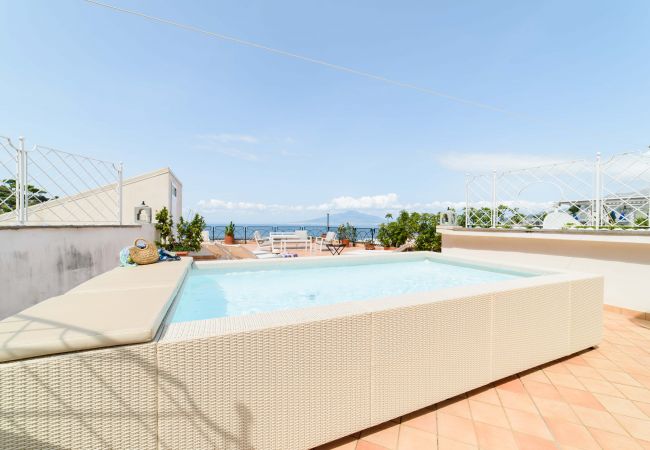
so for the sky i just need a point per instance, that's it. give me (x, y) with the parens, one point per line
(260, 137)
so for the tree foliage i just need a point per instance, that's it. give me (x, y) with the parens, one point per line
(36, 195)
(417, 227)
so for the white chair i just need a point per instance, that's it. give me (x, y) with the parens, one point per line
(260, 241)
(205, 236)
(329, 238)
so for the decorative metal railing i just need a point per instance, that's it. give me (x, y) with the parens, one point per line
(43, 185)
(598, 194)
(245, 233)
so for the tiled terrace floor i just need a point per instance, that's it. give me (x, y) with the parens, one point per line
(597, 399)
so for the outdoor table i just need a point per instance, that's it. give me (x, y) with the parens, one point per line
(336, 249)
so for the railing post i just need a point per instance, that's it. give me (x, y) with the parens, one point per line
(467, 215)
(494, 199)
(245, 235)
(21, 183)
(598, 192)
(120, 174)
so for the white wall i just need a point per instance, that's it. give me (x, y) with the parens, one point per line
(99, 205)
(624, 260)
(40, 262)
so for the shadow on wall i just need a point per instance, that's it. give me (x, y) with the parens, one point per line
(104, 398)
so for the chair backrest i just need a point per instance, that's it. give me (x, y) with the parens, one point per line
(257, 235)
(330, 236)
(205, 235)
(302, 234)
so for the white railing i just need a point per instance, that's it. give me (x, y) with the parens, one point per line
(47, 186)
(597, 194)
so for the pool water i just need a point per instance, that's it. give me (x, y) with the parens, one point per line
(210, 293)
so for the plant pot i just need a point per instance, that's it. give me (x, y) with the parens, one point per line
(390, 248)
(345, 242)
(229, 240)
(369, 246)
(182, 253)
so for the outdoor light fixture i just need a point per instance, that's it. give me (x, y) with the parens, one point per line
(143, 213)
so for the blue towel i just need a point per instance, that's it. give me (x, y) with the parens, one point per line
(125, 258)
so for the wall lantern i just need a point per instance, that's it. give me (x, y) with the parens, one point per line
(143, 213)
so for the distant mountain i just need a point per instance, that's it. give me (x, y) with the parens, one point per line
(355, 218)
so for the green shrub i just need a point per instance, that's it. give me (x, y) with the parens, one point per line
(421, 228)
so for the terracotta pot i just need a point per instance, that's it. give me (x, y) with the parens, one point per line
(182, 253)
(390, 248)
(229, 240)
(345, 242)
(369, 246)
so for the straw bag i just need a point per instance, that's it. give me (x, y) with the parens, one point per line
(146, 255)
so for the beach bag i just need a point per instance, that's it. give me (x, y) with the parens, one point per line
(143, 252)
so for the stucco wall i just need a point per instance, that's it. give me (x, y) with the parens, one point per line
(99, 205)
(39, 262)
(623, 260)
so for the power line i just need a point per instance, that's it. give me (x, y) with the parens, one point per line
(308, 59)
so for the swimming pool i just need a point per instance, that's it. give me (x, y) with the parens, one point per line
(228, 292)
(293, 353)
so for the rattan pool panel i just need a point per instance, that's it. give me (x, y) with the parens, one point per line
(87, 400)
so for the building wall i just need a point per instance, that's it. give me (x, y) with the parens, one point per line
(38, 262)
(100, 205)
(623, 260)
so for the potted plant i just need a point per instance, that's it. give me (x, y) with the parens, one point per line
(342, 232)
(189, 235)
(229, 233)
(369, 245)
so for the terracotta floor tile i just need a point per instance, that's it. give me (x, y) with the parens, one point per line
(450, 444)
(643, 406)
(457, 428)
(367, 445)
(558, 367)
(613, 441)
(385, 435)
(486, 395)
(346, 443)
(457, 407)
(528, 423)
(600, 387)
(638, 428)
(512, 385)
(416, 439)
(584, 371)
(639, 394)
(617, 376)
(528, 442)
(580, 398)
(533, 375)
(424, 420)
(554, 409)
(601, 363)
(594, 418)
(571, 435)
(543, 390)
(565, 380)
(487, 413)
(621, 406)
(521, 402)
(643, 379)
(494, 438)
(577, 360)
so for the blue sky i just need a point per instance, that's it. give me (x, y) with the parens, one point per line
(258, 137)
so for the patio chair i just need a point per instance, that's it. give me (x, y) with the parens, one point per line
(329, 238)
(260, 241)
